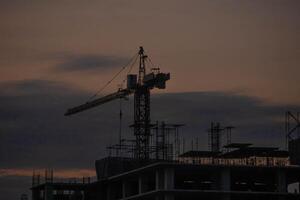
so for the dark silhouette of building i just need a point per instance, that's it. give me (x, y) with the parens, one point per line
(245, 172)
(155, 169)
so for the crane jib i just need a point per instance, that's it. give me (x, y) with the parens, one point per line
(99, 101)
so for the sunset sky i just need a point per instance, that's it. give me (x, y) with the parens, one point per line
(232, 61)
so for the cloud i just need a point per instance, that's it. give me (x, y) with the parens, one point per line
(33, 87)
(34, 134)
(37, 135)
(91, 62)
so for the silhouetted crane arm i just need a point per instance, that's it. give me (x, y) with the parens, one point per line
(99, 101)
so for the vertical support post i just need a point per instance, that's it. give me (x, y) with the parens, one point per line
(287, 131)
(225, 182)
(169, 182)
(108, 192)
(48, 191)
(281, 181)
(123, 189)
(143, 184)
(159, 179)
(36, 194)
(140, 182)
(215, 181)
(168, 178)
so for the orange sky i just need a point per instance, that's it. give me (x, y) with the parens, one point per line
(68, 173)
(249, 47)
(235, 52)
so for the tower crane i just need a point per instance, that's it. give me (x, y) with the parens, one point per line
(139, 85)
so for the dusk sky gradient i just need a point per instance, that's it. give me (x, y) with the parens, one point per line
(233, 61)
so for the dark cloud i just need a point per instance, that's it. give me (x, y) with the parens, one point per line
(34, 133)
(33, 127)
(254, 119)
(91, 62)
(34, 86)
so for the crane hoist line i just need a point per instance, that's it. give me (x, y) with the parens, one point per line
(140, 85)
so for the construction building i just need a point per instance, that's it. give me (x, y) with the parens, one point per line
(195, 175)
(155, 164)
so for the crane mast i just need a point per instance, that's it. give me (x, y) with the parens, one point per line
(141, 89)
(142, 67)
(142, 112)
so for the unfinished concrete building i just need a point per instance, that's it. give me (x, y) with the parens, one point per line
(157, 169)
(196, 175)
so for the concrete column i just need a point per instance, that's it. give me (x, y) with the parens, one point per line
(130, 187)
(158, 182)
(143, 184)
(109, 191)
(159, 179)
(123, 188)
(281, 181)
(169, 178)
(140, 184)
(169, 182)
(215, 181)
(36, 194)
(225, 182)
(164, 180)
(48, 191)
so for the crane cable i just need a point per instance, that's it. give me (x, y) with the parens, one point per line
(121, 110)
(151, 63)
(134, 58)
(130, 68)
